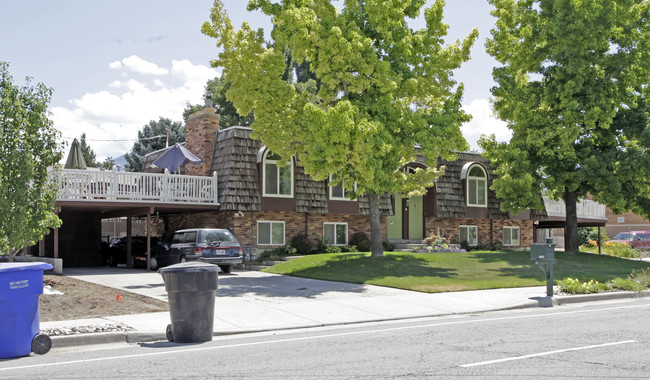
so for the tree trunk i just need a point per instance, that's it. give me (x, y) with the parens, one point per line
(571, 229)
(376, 246)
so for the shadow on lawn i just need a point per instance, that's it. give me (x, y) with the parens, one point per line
(361, 268)
(584, 266)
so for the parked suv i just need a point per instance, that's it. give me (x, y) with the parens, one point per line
(211, 245)
(636, 239)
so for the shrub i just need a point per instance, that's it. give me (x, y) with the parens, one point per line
(612, 248)
(361, 241)
(641, 276)
(587, 233)
(465, 245)
(273, 254)
(349, 248)
(574, 286)
(620, 249)
(388, 246)
(302, 244)
(332, 249)
(278, 253)
(626, 284)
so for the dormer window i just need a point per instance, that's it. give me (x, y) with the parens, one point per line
(476, 185)
(338, 192)
(278, 180)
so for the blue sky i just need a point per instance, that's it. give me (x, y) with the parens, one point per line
(115, 65)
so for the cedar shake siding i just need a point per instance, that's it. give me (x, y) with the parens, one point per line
(238, 161)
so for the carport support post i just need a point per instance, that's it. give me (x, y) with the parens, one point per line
(129, 222)
(148, 241)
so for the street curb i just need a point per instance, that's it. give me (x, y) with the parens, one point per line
(88, 339)
(563, 300)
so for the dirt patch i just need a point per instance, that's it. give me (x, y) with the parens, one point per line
(82, 299)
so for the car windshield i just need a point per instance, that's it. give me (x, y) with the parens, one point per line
(216, 235)
(623, 236)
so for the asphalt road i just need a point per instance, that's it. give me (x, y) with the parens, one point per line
(597, 340)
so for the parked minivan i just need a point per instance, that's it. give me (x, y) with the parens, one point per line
(211, 245)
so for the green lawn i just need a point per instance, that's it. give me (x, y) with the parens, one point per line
(445, 272)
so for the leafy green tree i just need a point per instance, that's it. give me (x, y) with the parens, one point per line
(152, 137)
(108, 163)
(28, 146)
(215, 91)
(382, 91)
(88, 153)
(574, 73)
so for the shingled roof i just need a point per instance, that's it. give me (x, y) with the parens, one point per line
(235, 161)
(449, 188)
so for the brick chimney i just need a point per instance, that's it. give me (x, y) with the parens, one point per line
(200, 134)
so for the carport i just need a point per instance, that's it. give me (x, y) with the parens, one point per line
(87, 197)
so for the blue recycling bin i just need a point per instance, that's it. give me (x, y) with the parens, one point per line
(20, 286)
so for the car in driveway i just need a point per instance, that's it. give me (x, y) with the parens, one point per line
(116, 252)
(636, 239)
(211, 245)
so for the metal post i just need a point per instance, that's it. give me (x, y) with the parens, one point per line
(148, 241)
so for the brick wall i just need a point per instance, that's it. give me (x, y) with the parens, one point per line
(627, 222)
(200, 132)
(244, 225)
(488, 233)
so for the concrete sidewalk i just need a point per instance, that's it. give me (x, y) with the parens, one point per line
(250, 301)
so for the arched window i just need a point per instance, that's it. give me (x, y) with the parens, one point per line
(278, 180)
(476, 186)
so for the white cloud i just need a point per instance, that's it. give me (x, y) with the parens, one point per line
(115, 65)
(139, 65)
(483, 123)
(120, 110)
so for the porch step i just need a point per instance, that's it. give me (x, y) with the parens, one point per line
(406, 245)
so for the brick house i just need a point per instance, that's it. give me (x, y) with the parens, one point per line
(265, 206)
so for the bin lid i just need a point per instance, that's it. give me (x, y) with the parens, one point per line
(13, 267)
(189, 266)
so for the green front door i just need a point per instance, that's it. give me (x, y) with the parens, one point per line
(415, 218)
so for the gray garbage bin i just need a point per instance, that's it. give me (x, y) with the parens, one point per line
(192, 288)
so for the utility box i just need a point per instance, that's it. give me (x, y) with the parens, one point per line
(544, 256)
(542, 252)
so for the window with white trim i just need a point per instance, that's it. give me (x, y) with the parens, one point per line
(476, 187)
(338, 192)
(270, 233)
(335, 233)
(511, 236)
(469, 234)
(278, 180)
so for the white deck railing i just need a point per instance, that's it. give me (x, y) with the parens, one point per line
(586, 208)
(125, 186)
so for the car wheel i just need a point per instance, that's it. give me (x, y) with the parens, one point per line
(226, 268)
(182, 259)
(153, 263)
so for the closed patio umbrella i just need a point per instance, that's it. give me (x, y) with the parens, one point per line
(176, 157)
(75, 157)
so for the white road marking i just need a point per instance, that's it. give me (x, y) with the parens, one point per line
(546, 353)
(318, 337)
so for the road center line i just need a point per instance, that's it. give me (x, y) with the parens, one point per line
(546, 353)
(373, 331)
